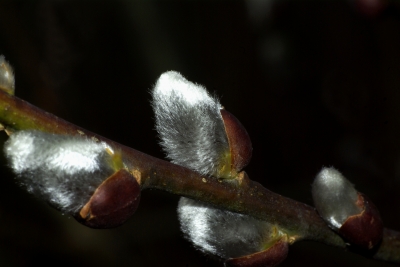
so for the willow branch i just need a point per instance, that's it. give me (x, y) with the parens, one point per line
(241, 195)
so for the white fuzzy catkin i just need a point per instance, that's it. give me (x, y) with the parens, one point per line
(63, 170)
(334, 197)
(7, 80)
(222, 233)
(189, 123)
(192, 133)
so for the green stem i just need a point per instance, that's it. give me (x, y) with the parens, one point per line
(242, 195)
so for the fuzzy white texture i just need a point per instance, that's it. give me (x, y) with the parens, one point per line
(63, 170)
(7, 80)
(189, 123)
(219, 232)
(334, 197)
(192, 133)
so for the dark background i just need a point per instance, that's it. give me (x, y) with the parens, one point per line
(315, 83)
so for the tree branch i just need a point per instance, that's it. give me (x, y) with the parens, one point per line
(241, 195)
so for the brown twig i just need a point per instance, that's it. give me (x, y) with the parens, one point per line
(242, 195)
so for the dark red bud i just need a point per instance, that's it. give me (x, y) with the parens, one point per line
(113, 202)
(364, 230)
(270, 257)
(371, 8)
(239, 141)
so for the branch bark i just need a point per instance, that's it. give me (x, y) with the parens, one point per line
(240, 195)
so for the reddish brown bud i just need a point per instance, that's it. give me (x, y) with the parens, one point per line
(239, 141)
(113, 202)
(370, 8)
(365, 229)
(270, 257)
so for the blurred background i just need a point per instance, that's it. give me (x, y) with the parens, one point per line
(316, 83)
